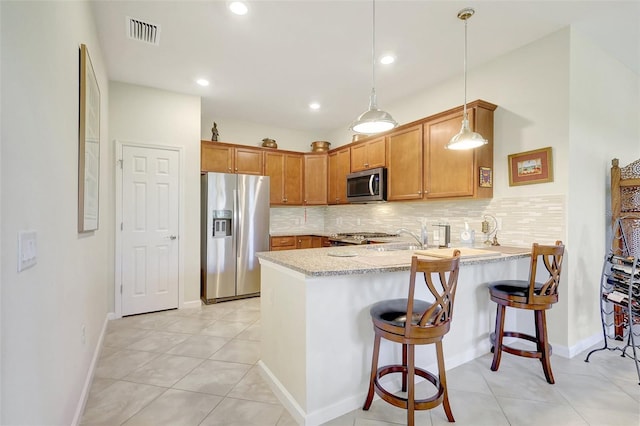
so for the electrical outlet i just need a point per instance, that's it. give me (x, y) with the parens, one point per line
(498, 224)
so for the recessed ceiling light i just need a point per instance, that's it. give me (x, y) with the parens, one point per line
(387, 59)
(202, 82)
(238, 7)
(314, 105)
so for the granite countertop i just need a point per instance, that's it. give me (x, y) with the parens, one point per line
(350, 260)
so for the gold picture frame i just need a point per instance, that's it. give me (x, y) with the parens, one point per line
(88, 145)
(530, 167)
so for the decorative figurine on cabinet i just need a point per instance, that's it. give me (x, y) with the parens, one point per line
(214, 132)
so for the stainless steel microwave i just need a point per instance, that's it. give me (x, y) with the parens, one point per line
(367, 186)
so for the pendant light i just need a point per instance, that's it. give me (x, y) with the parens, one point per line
(373, 120)
(466, 139)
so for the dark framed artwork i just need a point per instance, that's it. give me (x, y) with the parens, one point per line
(531, 167)
(88, 145)
(486, 177)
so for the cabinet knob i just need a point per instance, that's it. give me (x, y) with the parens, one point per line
(419, 192)
(366, 164)
(236, 169)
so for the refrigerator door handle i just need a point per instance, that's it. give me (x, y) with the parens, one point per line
(236, 223)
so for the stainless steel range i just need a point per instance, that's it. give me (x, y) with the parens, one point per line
(357, 238)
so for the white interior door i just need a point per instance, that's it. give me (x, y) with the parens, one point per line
(150, 223)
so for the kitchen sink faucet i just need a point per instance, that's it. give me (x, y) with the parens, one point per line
(406, 231)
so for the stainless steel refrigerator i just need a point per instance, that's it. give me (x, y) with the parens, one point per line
(234, 226)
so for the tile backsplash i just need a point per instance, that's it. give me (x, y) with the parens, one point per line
(522, 220)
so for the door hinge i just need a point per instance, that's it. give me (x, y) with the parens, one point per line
(120, 288)
(120, 162)
(121, 226)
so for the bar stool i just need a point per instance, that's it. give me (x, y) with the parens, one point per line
(531, 295)
(428, 323)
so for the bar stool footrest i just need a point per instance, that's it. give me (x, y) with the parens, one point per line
(398, 401)
(519, 352)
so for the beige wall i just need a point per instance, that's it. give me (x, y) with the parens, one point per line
(251, 134)
(44, 359)
(603, 107)
(156, 117)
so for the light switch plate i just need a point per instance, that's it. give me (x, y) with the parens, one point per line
(27, 249)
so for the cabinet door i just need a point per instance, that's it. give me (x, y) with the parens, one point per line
(343, 169)
(304, 241)
(282, 243)
(216, 158)
(316, 242)
(376, 153)
(359, 157)
(332, 178)
(368, 155)
(249, 161)
(404, 164)
(339, 168)
(274, 168)
(293, 179)
(448, 173)
(315, 179)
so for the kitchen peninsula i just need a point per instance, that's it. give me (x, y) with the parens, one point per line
(317, 336)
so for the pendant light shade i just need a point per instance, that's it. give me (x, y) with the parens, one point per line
(374, 120)
(466, 139)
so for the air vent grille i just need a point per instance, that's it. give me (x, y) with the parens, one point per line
(145, 32)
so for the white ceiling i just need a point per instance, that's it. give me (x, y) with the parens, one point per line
(268, 65)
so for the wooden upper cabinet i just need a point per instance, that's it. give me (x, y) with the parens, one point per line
(248, 161)
(226, 158)
(368, 154)
(339, 168)
(285, 170)
(456, 173)
(216, 157)
(404, 164)
(315, 179)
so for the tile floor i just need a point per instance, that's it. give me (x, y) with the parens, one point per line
(198, 367)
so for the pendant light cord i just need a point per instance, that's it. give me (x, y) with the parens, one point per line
(373, 102)
(465, 69)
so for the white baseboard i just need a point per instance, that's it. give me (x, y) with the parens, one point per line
(282, 394)
(581, 346)
(192, 304)
(92, 368)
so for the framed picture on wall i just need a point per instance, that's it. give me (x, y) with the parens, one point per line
(88, 145)
(530, 167)
(486, 177)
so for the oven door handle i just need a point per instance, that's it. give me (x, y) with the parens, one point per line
(371, 184)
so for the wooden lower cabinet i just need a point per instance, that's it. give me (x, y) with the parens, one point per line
(296, 242)
(283, 243)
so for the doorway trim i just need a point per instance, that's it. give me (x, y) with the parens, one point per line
(119, 146)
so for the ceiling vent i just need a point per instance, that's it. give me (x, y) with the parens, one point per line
(145, 32)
